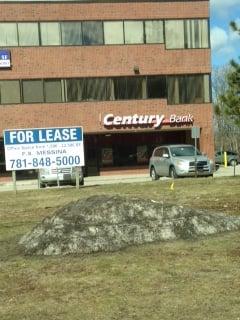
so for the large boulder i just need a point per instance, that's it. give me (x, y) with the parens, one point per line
(109, 223)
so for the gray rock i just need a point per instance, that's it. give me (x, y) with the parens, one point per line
(109, 223)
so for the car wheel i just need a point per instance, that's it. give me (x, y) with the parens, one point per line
(81, 182)
(172, 173)
(233, 162)
(153, 174)
(42, 185)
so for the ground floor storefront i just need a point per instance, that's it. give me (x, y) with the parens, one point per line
(118, 137)
(116, 153)
(119, 153)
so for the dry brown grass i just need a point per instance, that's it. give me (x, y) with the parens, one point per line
(168, 281)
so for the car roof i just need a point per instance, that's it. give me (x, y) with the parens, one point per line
(175, 145)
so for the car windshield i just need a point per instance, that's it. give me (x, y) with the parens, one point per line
(183, 151)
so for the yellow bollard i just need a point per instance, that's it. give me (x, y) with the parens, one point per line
(225, 159)
(172, 186)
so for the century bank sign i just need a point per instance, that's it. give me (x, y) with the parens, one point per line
(153, 120)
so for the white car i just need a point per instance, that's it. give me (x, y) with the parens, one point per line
(179, 160)
(55, 176)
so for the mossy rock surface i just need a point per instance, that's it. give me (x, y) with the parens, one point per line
(110, 223)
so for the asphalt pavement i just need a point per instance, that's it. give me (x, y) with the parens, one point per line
(6, 184)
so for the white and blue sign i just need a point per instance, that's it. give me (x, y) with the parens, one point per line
(27, 149)
(5, 59)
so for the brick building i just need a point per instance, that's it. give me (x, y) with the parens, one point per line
(133, 74)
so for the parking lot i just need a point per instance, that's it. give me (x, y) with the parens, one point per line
(6, 183)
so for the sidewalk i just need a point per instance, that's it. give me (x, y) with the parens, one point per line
(7, 185)
(228, 171)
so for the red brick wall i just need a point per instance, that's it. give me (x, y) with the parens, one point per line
(102, 11)
(54, 62)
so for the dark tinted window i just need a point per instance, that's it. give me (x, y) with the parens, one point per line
(128, 88)
(71, 33)
(97, 89)
(183, 151)
(157, 152)
(156, 87)
(74, 89)
(134, 88)
(92, 32)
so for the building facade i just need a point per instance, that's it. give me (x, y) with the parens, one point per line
(133, 74)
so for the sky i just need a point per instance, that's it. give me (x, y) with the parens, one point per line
(225, 43)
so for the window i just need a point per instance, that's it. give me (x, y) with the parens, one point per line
(182, 89)
(134, 88)
(32, 91)
(71, 33)
(186, 34)
(157, 152)
(174, 34)
(197, 88)
(176, 94)
(74, 89)
(188, 89)
(96, 89)
(113, 32)
(156, 87)
(154, 31)
(194, 89)
(8, 34)
(120, 88)
(28, 34)
(50, 33)
(92, 32)
(53, 90)
(165, 152)
(9, 91)
(196, 32)
(133, 32)
(128, 88)
(206, 83)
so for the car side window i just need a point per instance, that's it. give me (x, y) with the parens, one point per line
(157, 153)
(165, 151)
(161, 152)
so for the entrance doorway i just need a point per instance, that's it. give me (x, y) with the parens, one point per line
(118, 151)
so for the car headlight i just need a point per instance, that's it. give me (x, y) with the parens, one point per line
(183, 165)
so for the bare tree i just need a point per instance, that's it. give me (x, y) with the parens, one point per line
(227, 133)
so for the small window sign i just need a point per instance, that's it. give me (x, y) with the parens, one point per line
(5, 59)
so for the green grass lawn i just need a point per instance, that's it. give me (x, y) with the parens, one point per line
(176, 280)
